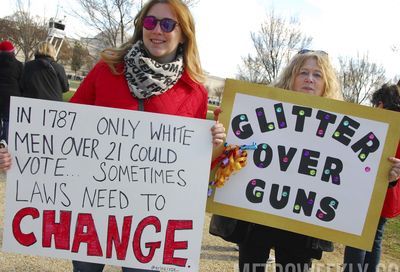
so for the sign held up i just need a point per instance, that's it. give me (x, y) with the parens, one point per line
(318, 165)
(106, 185)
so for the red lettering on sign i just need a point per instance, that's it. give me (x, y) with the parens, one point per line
(113, 238)
(88, 236)
(171, 245)
(150, 220)
(61, 231)
(25, 239)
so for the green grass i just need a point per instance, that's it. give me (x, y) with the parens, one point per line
(210, 112)
(212, 107)
(74, 84)
(391, 238)
(67, 95)
(210, 115)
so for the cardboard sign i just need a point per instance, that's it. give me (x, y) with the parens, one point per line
(319, 168)
(105, 185)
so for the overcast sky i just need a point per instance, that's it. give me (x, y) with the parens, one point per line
(339, 27)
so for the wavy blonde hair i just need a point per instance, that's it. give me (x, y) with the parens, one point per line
(331, 87)
(191, 59)
(46, 49)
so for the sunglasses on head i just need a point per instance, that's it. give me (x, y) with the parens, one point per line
(305, 51)
(167, 25)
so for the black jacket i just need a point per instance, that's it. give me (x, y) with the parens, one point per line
(44, 78)
(312, 247)
(10, 80)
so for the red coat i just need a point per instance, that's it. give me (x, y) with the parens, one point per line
(391, 206)
(102, 88)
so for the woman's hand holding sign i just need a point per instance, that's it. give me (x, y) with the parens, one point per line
(218, 130)
(394, 173)
(218, 134)
(5, 158)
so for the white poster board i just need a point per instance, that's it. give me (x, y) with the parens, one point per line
(318, 166)
(302, 171)
(105, 185)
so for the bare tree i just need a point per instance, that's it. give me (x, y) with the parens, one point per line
(274, 44)
(24, 30)
(111, 18)
(65, 54)
(219, 91)
(189, 3)
(7, 28)
(252, 70)
(359, 78)
(79, 56)
(396, 49)
(397, 79)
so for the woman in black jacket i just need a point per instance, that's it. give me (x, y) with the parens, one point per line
(42, 77)
(10, 78)
(308, 72)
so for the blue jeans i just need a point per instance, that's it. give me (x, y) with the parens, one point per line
(95, 267)
(358, 260)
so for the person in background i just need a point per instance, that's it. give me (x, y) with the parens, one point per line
(308, 72)
(10, 83)
(158, 70)
(43, 78)
(358, 260)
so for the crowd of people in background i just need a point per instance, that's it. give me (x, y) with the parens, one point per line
(165, 33)
(41, 78)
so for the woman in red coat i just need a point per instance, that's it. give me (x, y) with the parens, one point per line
(158, 70)
(387, 97)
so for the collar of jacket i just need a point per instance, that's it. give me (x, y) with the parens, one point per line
(44, 57)
(186, 78)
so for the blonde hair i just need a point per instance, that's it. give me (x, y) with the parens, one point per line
(191, 59)
(331, 87)
(46, 49)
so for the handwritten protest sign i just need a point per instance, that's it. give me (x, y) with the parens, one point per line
(319, 168)
(105, 185)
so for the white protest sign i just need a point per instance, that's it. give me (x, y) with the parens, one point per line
(300, 171)
(316, 166)
(105, 185)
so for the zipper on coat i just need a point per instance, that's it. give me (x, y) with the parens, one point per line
(141, 104)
